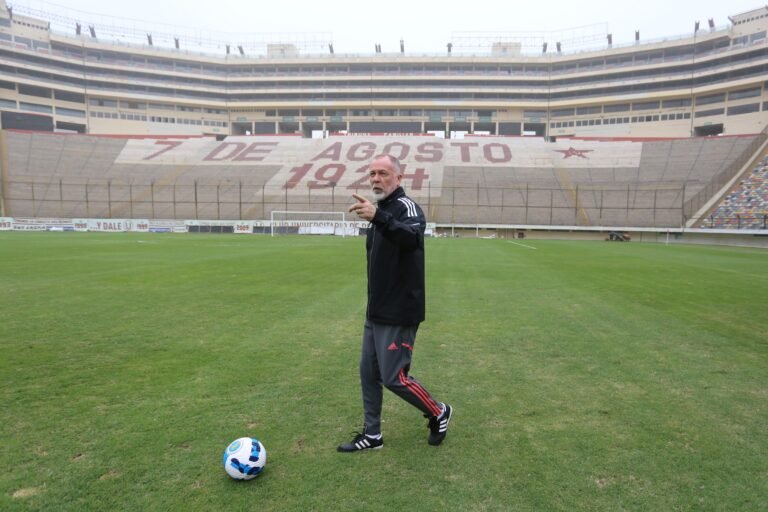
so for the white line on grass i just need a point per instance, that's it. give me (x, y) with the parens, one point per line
(521, 245)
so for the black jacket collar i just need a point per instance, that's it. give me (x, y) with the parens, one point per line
(396, 194)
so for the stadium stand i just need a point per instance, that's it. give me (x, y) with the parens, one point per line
(612, 183)
(697, 84)
(746, 206)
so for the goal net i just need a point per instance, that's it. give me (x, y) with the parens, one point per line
(310, 223)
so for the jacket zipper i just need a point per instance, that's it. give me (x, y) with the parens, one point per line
(370, 265)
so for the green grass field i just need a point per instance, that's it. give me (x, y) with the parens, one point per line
(585, 376)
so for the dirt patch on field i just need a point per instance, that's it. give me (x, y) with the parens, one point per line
(27, 492)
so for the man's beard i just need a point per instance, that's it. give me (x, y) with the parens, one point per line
(378, 194)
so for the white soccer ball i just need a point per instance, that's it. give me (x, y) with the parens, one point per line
(245, 458)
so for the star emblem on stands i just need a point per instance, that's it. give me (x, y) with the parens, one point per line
(571, 151)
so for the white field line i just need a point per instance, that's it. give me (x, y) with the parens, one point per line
(521, 245)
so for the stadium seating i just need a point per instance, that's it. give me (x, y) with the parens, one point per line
(746, 206)
(81, 176)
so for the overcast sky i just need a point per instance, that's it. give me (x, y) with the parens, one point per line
(425, 26)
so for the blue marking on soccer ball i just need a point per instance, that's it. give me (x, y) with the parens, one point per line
(245, 468)
(254, 451)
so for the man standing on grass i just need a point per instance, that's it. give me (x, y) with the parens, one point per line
(395, 249)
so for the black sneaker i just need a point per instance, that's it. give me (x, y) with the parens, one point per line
(438, 426)
(361, 442)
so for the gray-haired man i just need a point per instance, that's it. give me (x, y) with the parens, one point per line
(395, 250)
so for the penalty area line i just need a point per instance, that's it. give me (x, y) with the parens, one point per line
(521, 245)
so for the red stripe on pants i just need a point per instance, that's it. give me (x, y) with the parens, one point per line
(421, 393)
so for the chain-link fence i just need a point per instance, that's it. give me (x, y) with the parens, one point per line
(627, 205)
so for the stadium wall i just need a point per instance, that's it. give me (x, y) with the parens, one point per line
(523, 236)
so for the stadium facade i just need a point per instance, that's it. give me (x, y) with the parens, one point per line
(711, 81)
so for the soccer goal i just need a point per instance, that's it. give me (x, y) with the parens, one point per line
(284, 222)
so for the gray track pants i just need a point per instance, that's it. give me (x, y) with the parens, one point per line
(385, 360)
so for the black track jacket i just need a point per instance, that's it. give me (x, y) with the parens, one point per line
(395, 247)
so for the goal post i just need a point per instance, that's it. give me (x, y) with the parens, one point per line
(310, 223)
